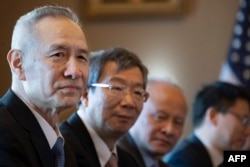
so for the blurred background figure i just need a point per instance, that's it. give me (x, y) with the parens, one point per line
(221, 120)
(159, 125)
(117, 83)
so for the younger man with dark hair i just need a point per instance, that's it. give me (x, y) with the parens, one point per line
(221, 119)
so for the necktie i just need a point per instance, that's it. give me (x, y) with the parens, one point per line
(112, 162)
(58, 151)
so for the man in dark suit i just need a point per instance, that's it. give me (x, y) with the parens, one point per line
(159, 125)
(49, 73)
(221, 119)
(116, 94)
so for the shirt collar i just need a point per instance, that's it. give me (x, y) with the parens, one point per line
(49, 132)
(148, 160)
(215, 155)
(103, 151)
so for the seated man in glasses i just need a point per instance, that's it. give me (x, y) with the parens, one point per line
(115, 98)
(221, 121)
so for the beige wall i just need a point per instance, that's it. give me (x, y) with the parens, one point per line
(190, 49)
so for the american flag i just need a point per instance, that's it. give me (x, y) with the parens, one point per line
(236, 68)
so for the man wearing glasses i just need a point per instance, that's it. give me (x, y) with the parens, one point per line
(221, 122)
(115, 98)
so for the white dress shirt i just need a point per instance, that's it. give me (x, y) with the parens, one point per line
(101, 147)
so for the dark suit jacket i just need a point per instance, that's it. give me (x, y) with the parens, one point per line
(189, 153)
(75, 132)
(22, 141)
(128, 144)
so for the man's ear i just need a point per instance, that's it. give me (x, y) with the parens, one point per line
(15, 60)
(213, 114)
(84, 98)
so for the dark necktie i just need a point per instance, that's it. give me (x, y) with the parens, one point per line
(58, 151)
(112, 162)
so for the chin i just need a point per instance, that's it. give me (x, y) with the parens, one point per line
(121, 130)
(70, 101)
(159, 149)
(159, 153)
(67, 105)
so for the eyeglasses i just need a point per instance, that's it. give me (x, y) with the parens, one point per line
(119, 90)
(245, 121)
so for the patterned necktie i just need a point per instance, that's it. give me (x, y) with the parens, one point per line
(112, 162)
(58, 151)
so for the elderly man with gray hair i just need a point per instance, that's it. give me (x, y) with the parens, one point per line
(159, 125)
(49, 66)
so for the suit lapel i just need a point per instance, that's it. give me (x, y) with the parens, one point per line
(27, 121)
(128, 144)
(70, 160)
(83, 135)
(205, 159)
(43, 149)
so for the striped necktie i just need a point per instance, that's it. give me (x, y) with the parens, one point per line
(112, 162)
(58, 152)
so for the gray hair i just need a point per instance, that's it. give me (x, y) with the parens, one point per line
(24, 27)
(124, 59)
(166, 80)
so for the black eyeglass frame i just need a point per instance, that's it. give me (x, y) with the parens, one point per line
(245, 121)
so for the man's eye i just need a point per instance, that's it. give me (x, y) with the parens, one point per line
(179, 122)
(83, 58)
(160, 117)
(116, 88)
(58, 55)
(137, 92)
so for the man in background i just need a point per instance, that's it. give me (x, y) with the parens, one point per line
(49, 66)
(221, 119)
(159, 125)
(115, 98)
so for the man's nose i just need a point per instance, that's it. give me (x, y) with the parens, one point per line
(72, 69)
